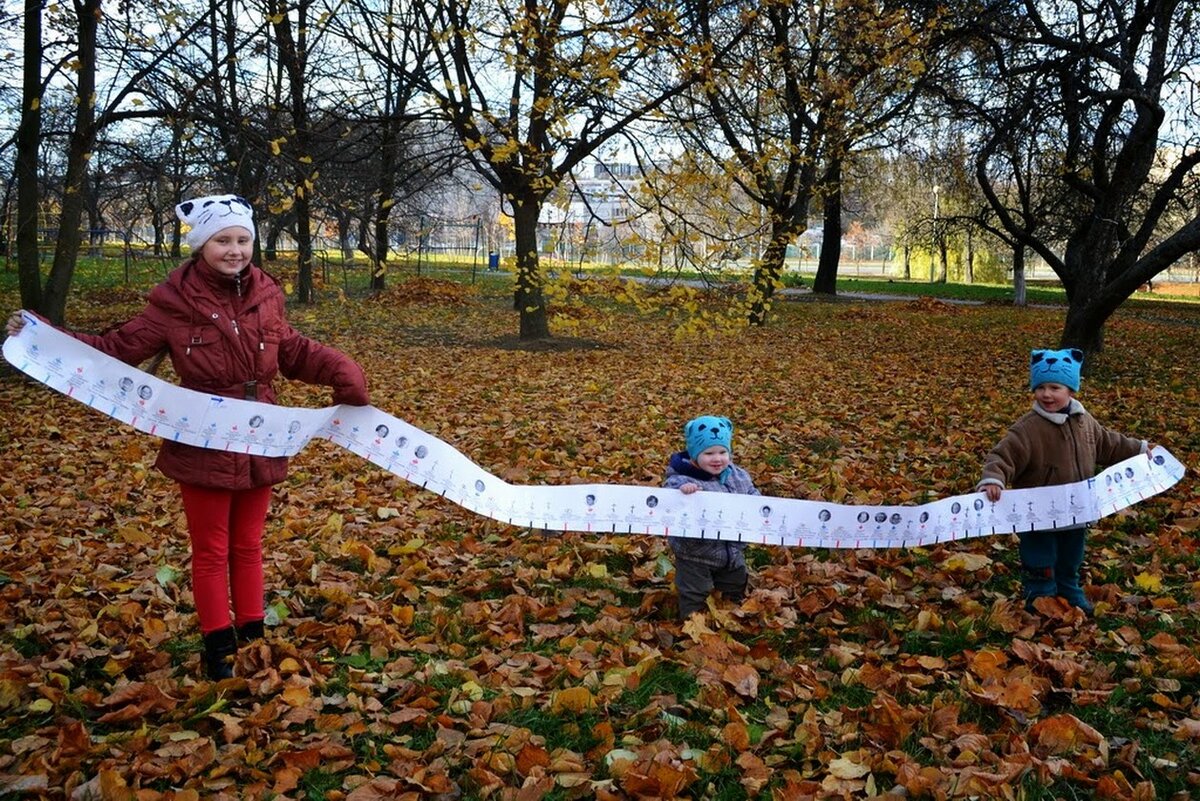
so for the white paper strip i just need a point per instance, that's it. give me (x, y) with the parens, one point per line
(171, 412)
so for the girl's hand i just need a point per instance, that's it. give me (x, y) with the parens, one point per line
(992, 491)
(688, 489)
(14, 324)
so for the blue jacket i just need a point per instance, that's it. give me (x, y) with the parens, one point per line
(713, 553)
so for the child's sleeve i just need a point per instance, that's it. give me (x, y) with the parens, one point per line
(1113, 446)
(1004, 461)
(675, 481)
(307, 360)
(133, 342)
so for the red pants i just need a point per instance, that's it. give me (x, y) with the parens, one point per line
(226, 529)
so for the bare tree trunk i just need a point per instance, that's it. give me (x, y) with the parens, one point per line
(825, 282)
(768, 271)
(82, 139)
(28, 269)
(1019, 275)
(293, 57)
(383, 205)
(970, 269)
(528, 298)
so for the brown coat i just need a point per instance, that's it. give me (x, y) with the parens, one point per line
(227, 337)
(1044, 448)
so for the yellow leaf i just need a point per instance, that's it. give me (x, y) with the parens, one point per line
(412, 546)
(573, 699)
(1148, 582)
(333, 525)
(965, 561)
(296, 696)
(844, 768)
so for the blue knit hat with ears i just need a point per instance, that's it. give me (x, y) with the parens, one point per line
(1055, 366)
(704, 432)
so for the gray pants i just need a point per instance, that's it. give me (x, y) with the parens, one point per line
(696, 581)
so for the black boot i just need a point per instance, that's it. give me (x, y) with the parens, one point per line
(219, 646)
(249, 631)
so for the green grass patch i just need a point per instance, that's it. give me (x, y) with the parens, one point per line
(572, 731)
(317, 783)
(850, 696)
(665, 678)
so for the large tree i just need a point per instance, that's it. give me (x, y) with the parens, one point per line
(404, 151)
(1095, 103)
(534, 87)
(783, 111)
(117, 44)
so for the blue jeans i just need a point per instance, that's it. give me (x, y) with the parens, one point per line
(1050, 562)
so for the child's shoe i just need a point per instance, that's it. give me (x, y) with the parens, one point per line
(1039, 583)
(219, 647)
(250, 631)
(1066, 568)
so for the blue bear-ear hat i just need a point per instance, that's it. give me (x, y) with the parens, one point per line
(704, 432)
(1055, 366)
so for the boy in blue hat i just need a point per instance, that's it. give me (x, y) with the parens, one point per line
(704, 565)
(1057, 442)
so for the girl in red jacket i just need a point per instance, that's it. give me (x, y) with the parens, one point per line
(222, 321)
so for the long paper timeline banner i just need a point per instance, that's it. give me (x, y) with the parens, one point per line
(165, 410)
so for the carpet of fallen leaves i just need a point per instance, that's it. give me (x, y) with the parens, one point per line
(417, 651)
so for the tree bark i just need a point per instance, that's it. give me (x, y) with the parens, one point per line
(825, 282)
(293, 57)
(768, 271)
(79, 149)
(1019, 275)
(970, 267)
(528, 298)
(28, 261)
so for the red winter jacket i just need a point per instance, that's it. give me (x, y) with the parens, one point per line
(227, 337)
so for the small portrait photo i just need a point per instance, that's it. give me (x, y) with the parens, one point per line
(381, 431)
(955, 507)
(896, 518)
(256, 421)
(824, 515)
(421, 451)
(590, 499)
(652, 501)
(293, 426)
(144, 392)
(125, 384)
(924, 517)
(881, 517)
(479, 486)
(978, 504)
(1159, 460)
(1129, 472)
(765, 511)
(863, 517)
